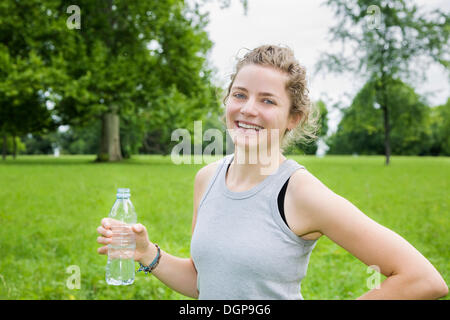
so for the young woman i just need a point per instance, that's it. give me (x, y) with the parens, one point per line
(256, 222)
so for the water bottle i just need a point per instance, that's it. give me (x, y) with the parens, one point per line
(120, 268)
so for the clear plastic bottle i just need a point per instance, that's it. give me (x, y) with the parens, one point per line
(120, 268)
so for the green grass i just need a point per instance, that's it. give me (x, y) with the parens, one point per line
(50, 209)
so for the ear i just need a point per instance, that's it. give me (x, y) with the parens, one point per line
(294, 120)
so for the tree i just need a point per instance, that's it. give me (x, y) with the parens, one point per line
(361, 131)
(22, 101)
(129, 61)
(384, 38)
(311, 147)
(38, 144)
(24, 73)
(127, 52)
(440, 129)
(135, 61)
(79, 140)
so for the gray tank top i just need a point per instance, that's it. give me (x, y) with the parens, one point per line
(241, 247)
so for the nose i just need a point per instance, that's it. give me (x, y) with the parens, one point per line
(249, 108)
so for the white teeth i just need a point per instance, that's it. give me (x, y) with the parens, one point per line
(248, 126)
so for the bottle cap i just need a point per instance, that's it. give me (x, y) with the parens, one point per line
(123, 193)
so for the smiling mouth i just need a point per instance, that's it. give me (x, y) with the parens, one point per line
(245, 126)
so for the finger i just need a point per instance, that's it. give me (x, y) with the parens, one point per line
(106, 223)
(109, 223)
(140, 232)
(138, 228)
(103, 240)
(104, 232)
(103, 250)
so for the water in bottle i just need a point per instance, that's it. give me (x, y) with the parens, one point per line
(120, 267)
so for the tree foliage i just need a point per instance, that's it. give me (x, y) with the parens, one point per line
(24, 72)
(381, 40)
(143, 61)
(311, 148)
(417, 129)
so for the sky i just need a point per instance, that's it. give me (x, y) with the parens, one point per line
(302, 25)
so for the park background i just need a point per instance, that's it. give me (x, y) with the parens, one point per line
(89, 99)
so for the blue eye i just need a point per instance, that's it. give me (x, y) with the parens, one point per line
(269, 101)
(238, 95)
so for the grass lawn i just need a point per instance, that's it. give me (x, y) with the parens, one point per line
(50, 209)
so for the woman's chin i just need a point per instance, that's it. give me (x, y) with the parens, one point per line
(241, 138)
(250, 138)
(245, 145)
(251, 143)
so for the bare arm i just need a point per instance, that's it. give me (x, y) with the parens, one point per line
(177, 273)
(409, 274)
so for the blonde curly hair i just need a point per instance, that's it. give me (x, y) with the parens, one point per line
(283, 59)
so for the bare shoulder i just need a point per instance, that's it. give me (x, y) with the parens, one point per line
(303, 177)
(202, 179)
(304, 192)
(205, 174)
(306, 185)
(309, 195)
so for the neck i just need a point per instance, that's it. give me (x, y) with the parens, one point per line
(249, 168)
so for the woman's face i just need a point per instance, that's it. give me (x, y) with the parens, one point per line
(258, 97)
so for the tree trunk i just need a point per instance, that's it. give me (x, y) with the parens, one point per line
(4, 147)
(110, 139)
(387, 131)
(14, 147)
(387, 127)
(383, 88)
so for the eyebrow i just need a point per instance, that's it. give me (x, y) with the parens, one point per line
(264, 94)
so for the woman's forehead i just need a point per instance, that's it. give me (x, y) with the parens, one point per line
(261, 79)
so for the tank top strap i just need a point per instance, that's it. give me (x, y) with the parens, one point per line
(285, 171)
(221, 166)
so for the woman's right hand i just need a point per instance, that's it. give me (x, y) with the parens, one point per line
(144, 250)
